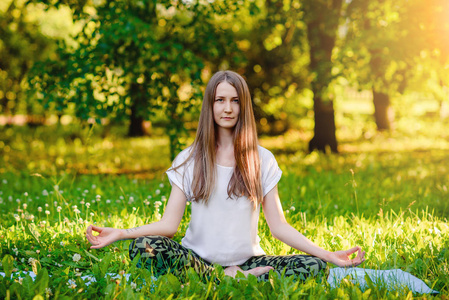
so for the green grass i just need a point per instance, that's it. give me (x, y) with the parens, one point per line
(387, 194)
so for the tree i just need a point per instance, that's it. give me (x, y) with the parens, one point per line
(322, 18)
(22, 44)
(384, 43)
(133, 59)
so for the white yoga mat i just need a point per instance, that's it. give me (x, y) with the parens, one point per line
(391, 279)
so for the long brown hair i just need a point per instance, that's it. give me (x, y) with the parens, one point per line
(246, 179)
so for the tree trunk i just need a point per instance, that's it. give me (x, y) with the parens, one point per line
(137, 107)
(322, 19)
(324, 131)
(383, 112)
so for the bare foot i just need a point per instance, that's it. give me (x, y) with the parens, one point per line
(232, 271)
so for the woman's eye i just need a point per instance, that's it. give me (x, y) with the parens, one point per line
(235, 100)
(219, 100)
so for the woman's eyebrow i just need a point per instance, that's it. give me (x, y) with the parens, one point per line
(236, 97)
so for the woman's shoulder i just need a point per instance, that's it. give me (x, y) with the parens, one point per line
(182, 156)
(264, 153)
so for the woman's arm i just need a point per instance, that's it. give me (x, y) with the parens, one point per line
(284, 232)
(167, 226)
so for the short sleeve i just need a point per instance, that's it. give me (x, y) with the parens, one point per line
(182, 176)
(271, 173)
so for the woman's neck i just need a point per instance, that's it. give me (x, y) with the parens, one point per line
(225, 149)
(225, 138)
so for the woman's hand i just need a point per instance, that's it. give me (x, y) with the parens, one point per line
(232, 271)
(106, 236)
(341, 258)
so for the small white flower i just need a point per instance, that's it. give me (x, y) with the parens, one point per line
(292, 208)
(44, 193)
(31, 261)
(98, 197)
(133, 285)
(77, 211)
(47, 212)
(163, 198)
(76, 257)
(87, 204)
(157, 204)
(61, 243)
(17, 217)
(55, 203)
(82, 202)
(121, 197)
(5, 181)
(94, 186)
(25, 206)
(58, 209)
(20, 280)
(122, 272)
(86, 191)
(48, 292)
(131, 199)
(92, 214)
(46, 205)
(22, 259)
(39, 209)
(158, 192)
(71, 284)
(161, 185)
(25, 194)
(134, 208)
(108, 201)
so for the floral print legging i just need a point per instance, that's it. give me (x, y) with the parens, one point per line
(161, 255)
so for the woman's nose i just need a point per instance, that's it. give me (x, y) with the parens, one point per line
(228, 107)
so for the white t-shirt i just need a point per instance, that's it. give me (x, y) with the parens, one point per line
(225, 230)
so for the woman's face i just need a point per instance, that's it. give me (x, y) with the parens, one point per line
(226, 106)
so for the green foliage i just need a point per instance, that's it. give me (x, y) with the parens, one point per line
(134, 59)
(21, 45)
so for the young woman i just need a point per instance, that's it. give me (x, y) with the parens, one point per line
(227, 176)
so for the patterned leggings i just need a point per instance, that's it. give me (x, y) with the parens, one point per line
(161, 255)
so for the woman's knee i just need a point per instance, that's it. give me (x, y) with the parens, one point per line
(148, 246)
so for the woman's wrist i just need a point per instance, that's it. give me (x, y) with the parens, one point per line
(327, 256)
(122, 234)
